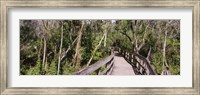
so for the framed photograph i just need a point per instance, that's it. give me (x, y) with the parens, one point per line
(99, 47)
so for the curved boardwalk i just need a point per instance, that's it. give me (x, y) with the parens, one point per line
(121, 67)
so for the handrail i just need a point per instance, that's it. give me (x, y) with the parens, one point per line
(108, 68)
(144, 66)
(148, 63)
(96, 66)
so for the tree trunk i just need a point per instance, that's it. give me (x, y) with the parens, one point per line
(105, 39)
(60, 51)
(164, 46)
(77, 56)
(44, 53)
(45, 67)
(39, 53)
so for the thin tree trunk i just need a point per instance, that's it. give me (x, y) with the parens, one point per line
(44, 53)
(45, 67)
(164, 47)
(149, 53)
(61, 41)
(77, 56)
(105, 39)
(39, 53)
(88, 63)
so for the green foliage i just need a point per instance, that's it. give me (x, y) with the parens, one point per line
(52, 68)
(23, 69)
(157, 60)
(103, 68)
(69, 70)
(35, 70)
(120, 33)
(173, 55)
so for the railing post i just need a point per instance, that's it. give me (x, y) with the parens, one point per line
(119, 50)
(131, 57)
(126, 55)
(112, 51)
(147, 70)
(98, 71)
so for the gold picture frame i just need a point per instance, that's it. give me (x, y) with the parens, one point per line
(6, 4)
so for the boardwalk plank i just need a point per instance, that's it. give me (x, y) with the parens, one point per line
(121, 67)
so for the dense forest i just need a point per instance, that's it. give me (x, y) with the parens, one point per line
(62, 47)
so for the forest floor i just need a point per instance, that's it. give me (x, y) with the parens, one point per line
(121, 67)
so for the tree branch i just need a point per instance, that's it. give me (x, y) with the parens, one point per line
(69, 47)
(143, 41)
(149, 53)
(124, 33)
(88, 63)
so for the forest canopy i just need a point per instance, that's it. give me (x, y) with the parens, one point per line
(63, 47)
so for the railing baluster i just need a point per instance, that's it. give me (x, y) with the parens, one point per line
(127, 56)
(131, 57)
(137, 65)
(141, 70)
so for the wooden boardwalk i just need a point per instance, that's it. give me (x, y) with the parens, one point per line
(121, 67)
(116, 64)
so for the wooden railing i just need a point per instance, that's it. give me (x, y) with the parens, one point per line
(96, 67)
(141, 64)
